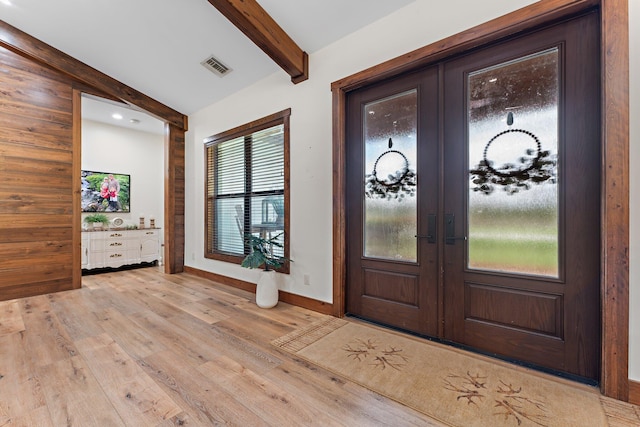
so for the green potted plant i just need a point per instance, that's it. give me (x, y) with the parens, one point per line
(262, 255)
(97, 220)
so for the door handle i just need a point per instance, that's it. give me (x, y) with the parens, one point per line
(431, 229)
(450, 230)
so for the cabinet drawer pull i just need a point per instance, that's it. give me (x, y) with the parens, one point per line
(115, 255)
(115, 244)
(116, 235)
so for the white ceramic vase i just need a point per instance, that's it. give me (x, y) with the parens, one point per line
(267, 290)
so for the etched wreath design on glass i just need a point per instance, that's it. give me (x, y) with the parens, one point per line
(396, 185)
(535, 166)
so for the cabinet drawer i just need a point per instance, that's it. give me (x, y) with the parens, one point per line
(118, 235)
(117, 258)
(116, 244)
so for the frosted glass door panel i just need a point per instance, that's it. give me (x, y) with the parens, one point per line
(513, 150)
(390, 209)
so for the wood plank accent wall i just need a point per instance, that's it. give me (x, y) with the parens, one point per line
(36, 179)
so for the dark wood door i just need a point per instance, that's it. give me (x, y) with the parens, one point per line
(505, 216)
(521, 183)
(393, 139)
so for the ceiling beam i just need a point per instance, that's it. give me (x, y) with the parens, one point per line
(25, 45)
(259, 26)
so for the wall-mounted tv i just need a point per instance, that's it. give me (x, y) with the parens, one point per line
(105, 192)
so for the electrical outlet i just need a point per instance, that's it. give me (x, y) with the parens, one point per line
(193, 255)
(307, 280)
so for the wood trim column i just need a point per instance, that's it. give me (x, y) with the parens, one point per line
(76, 167)
(615, 199)
(174, 199)
(339, 202)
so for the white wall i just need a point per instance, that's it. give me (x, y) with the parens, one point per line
(634, 251)
(107, 148)
(414, 26)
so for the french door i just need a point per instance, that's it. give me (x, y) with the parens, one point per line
(473, 205)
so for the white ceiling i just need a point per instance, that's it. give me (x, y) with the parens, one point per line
(101, 110)
(156, 46)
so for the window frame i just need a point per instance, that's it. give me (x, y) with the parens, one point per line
(279, 118)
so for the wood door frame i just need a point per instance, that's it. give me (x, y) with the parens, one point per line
(614, 282)
(174, 188)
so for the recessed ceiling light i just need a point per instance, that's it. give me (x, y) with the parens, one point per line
(6, 2)
(134, 121)
(117, 116)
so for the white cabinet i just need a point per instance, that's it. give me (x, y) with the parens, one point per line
(115, 248)
(149, 245)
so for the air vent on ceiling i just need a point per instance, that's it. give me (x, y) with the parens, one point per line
(215, 66)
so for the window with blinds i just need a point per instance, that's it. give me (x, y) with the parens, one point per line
(247, 186)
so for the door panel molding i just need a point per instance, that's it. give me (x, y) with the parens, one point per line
(408, 284)
(614, 381)
(547, 309)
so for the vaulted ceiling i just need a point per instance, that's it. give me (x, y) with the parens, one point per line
(157, 46)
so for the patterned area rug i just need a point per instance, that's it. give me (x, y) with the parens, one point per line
(449, 385)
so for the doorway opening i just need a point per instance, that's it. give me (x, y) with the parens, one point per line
(122, 179)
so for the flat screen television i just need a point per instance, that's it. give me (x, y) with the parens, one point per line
(105, 191)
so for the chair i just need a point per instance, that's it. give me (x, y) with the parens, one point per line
(240, 221)
(273, 210)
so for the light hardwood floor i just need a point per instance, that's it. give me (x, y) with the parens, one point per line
(140, 348)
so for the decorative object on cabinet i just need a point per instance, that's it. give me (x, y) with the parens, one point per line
(141, 226)
(97, 220)
(105, 191)
(115, 248)
(117, 222)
